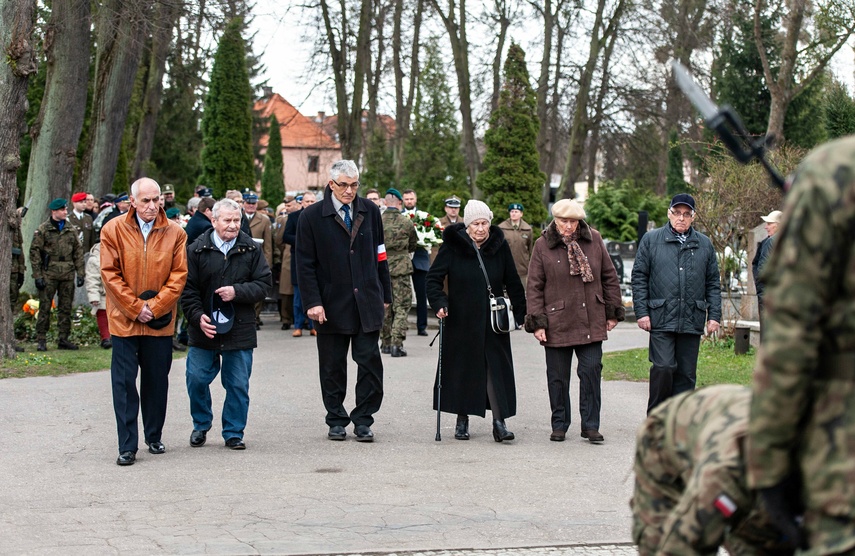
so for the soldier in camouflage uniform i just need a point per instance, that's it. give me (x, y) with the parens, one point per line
(802, 420)
(690, 492)
(19, 267)
(55, 255)
(401, 240)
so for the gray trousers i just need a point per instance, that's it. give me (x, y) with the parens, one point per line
(589, 371)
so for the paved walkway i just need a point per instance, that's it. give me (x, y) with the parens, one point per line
(294, 492)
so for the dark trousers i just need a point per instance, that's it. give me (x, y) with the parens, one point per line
(420, 285)
(332, 360)
(674, 359)
(152, 355)
(589, 371)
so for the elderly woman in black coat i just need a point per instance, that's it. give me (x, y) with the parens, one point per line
(477, 364)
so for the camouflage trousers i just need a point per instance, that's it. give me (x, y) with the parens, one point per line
(395, 323)
(64, 290)
(673, 517)
(13, 292)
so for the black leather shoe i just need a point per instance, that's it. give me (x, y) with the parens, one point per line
(337, 432)
(500, 431)
(65, 344)
(363, 433)
(461, 429)
(156, 448)
(557, 436)
(423, 333)
(176, 345)
(106, 344)
(386, 350)
(593, 435)
(126, 458)
(198, 438)
(235, 443)
(43, 347)
(397, 351)
(285, 326)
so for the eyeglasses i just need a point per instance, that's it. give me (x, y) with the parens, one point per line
(345, 186)
(687, 215)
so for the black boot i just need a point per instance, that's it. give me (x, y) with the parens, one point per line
(500, 431)
(461, 430)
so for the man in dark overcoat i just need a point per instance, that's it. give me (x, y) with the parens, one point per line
(344, 283)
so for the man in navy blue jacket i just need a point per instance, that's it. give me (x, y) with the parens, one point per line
(345, 285)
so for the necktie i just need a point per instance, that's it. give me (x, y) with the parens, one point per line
(347, 220)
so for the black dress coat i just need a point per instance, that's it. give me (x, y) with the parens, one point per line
(345, 272)
(245, 268)
(470, 348)
(196, 226)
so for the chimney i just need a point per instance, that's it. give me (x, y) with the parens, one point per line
(268, 91)
(321, 116)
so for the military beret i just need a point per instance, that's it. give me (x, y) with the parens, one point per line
(453, 202)
(395, 192)
(172, 212)
(58, 204)
(79, 196)
(168, 188)
(515, 206)
(250, 198)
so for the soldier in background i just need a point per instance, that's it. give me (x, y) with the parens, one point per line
(452, 212)
(802, 420)
(401, 240)
(169, 199)
(18, 268)
(82, 221)
(520, 237)
(55, 255)
(690, 492)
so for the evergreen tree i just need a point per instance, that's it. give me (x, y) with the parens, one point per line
(227, 157)
(674, 180)
(803, 122)
(272, 179)
(379, 166)
(433, 161)
(511, 171)
(613, 209)
(839, 111)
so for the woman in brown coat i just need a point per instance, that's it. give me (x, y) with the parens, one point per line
(573, 299)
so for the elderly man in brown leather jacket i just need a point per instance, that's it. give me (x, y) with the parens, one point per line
(144, 268)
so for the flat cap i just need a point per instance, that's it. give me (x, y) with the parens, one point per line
(568, 208)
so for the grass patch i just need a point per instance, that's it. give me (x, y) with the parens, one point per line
(717, 364)
(55, 362)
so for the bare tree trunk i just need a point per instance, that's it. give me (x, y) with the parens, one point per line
(455, 26)
(504, 11)
(375, 69)
(579, 127)
(404, 104)
(56, 131)
(17, 19)
(597, 121)
(165, 17)
(121, 27)
(783, 87)
(360, 69)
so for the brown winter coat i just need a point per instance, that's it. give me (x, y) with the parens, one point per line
(130, 266)
(259, 226)
(285, 285)
(521, 241)
(572, 312)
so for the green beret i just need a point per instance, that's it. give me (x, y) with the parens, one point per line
(516, 206)
(395, 192)
(58, 204)
(172, 212)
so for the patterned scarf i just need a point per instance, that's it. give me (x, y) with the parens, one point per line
(578, 260)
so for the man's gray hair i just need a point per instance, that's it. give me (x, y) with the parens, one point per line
(344, 167)
(226, 204)
(193, 203)
(135, 187)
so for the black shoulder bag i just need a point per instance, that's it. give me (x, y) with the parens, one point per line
(500, 307)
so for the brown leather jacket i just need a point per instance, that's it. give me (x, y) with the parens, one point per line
(130, 266)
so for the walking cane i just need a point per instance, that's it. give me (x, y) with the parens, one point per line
(438, 378)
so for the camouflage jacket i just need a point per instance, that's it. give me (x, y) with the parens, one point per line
(61, 251)
(401, 240)
(18, 264)
(802, 410)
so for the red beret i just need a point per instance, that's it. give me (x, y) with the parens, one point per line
(77, 197)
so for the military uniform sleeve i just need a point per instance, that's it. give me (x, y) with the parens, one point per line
(36, 254)
(800, 288)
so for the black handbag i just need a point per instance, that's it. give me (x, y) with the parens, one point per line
(500, 307)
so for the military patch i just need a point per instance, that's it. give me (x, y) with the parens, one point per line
(725, 505)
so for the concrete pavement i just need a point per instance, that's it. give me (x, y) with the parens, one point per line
(294, 492)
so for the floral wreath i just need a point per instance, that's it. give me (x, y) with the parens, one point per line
(428, 228)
